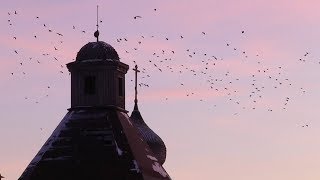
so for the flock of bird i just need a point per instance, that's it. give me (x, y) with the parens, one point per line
(224, 84)
(193, 67)
(13, 18)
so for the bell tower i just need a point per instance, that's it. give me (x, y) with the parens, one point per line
(97, 65)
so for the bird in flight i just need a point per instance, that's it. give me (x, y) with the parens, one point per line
(137, 17)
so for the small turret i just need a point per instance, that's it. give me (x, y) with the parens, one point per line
(151, 138)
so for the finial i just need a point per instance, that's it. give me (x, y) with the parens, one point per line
(135, 88)
(96, 34)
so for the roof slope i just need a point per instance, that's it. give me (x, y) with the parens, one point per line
(94, 144)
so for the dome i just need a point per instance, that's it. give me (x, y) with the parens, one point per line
(151, 138)
(97, 50)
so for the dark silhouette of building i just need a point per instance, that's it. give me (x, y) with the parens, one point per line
(96, 140)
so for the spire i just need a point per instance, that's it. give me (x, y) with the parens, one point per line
(96, 34)
(148, 135)
(135, 88)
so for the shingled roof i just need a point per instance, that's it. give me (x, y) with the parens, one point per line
(95, 144)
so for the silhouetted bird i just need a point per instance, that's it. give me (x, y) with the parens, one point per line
(137, 17)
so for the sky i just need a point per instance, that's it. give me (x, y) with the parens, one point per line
(232, 87)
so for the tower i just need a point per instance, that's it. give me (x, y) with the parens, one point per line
(96, 139)
(97, 77)
(150, 137)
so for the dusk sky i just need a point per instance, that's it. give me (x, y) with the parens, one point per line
(232, 87)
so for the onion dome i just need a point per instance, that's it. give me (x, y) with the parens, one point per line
(97, 50)
(154, 142)
(151, 138)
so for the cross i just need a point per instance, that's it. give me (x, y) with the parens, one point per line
(135, 88)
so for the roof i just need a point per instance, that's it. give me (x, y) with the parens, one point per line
(150, 137)
(96, 144)
(97, 50)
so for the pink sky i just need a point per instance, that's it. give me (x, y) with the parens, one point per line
(215, 138)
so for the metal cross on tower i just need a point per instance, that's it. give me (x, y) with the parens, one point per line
(135, 88)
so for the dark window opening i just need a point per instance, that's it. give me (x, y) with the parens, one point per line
(90, 85)
(121, 89)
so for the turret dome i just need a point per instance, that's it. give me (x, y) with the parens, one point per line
(97, 50)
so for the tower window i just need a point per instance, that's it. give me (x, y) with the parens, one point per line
(120, 84)
(90, 85)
